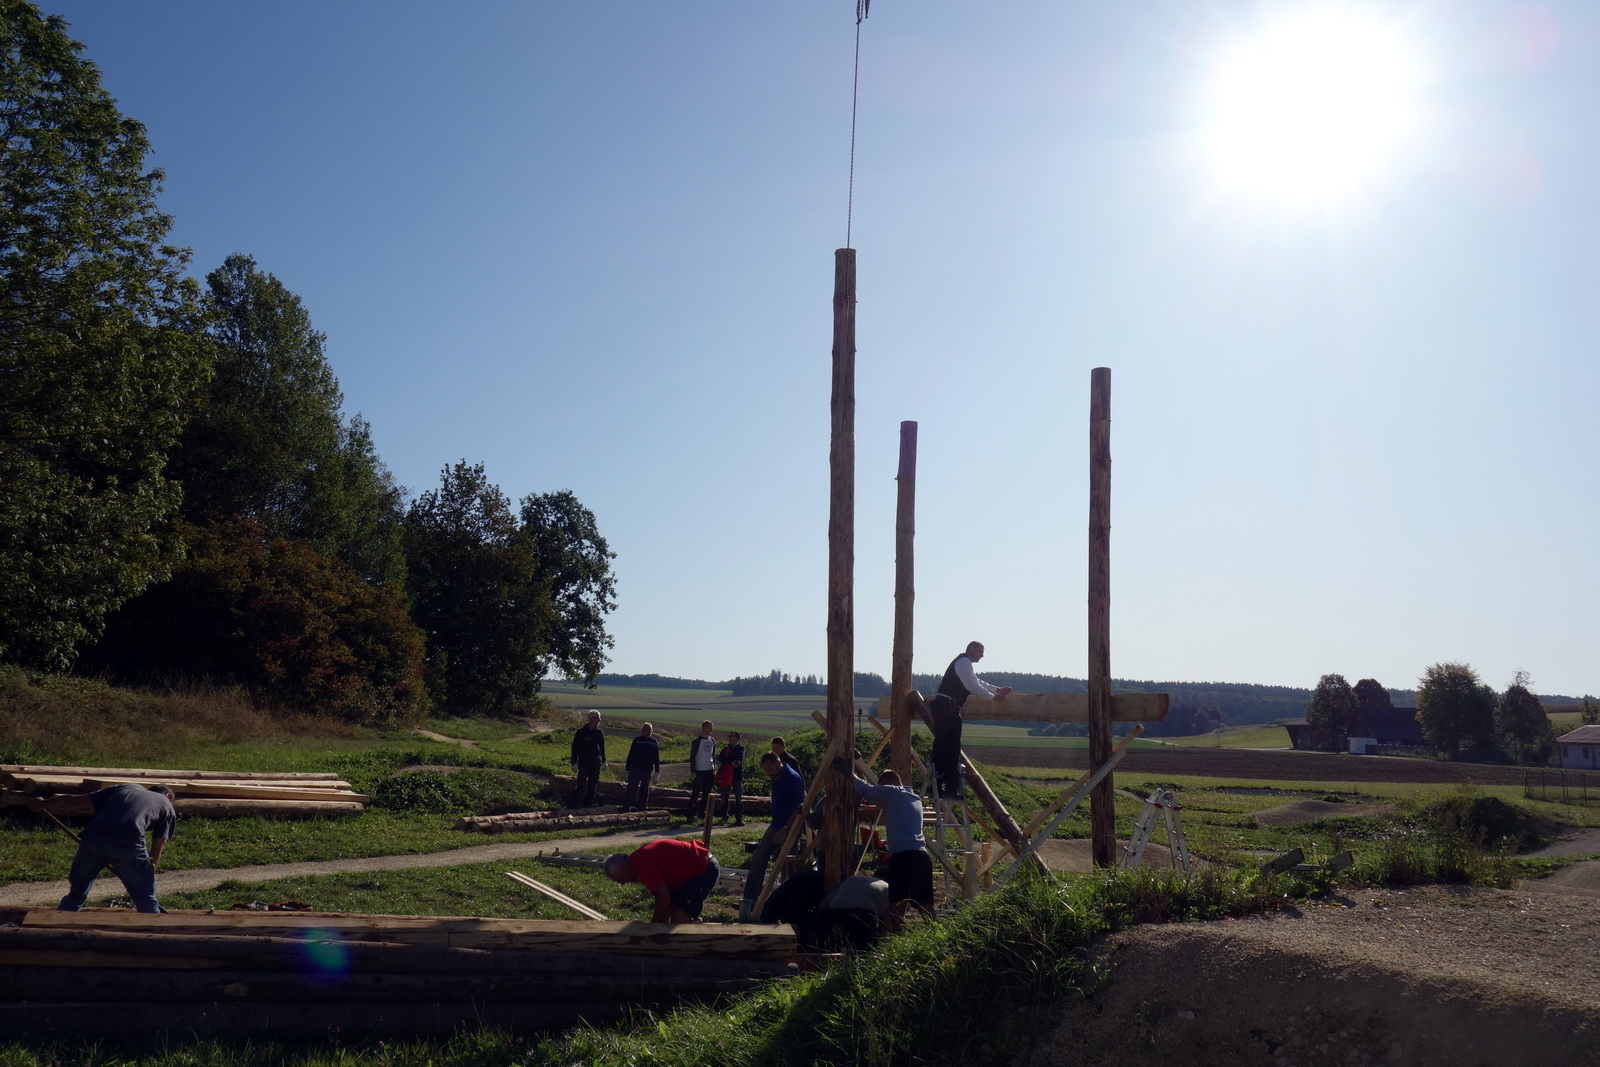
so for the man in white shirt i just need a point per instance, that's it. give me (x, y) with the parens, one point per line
(960, 682)
(702, 766)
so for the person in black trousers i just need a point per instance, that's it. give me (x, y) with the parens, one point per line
(588, 756)
(959, 683)
(730, 777)
(644, 765)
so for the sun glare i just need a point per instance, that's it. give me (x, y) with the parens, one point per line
(1312, 107)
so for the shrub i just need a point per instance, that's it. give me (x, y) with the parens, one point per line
(295, 627)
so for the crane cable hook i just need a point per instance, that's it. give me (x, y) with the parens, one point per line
(863, 7)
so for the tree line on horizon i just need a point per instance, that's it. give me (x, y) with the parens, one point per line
(185, 498)
(1458, 714)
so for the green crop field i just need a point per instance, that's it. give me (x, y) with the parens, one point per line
(1263, 735)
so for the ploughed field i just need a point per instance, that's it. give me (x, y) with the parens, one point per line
(1251, 764)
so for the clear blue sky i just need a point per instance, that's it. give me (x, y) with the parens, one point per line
(591, 244)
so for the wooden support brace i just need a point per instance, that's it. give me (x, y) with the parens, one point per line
(835, 748)
(1067, 793)
(560, 898)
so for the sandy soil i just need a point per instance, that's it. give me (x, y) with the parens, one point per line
(1400, 977)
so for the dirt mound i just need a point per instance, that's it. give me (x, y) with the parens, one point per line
(1307, 810)
(1399, 977)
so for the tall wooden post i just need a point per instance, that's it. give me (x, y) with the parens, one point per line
(839, 826)
(1102, 821)
(905, 595)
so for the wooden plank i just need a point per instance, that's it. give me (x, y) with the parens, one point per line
(1060, 801)
(840, 806)
(214, 790)
(179, 986)
(311, 1020)
(67, 783)
(144, 772)
(632, 938)
(560, 898)
(45, 947)
(1102, 816)
(1061, 707)
(282, 809)
(905, 595)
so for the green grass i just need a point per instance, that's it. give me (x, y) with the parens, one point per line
(1263, 735)
(478, 889)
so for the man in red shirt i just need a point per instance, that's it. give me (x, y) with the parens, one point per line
(679, 873)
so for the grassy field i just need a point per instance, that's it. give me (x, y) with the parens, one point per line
(1263, 735)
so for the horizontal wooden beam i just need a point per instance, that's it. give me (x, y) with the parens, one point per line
(1058, 707)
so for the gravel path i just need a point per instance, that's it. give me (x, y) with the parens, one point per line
(40, 894)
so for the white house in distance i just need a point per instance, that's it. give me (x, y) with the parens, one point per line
(1580, 749)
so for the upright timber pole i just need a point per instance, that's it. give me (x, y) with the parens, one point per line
(839, 826)
(1102, 822)
(905, 595)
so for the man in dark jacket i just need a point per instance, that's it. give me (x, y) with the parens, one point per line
(115, 839)
(588, 756)
(960, 682)
(788, 795)
(644, 764)
(730, 777)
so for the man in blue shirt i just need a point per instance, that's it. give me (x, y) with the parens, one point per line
(115, 839)
(788, 794)
(910, 870)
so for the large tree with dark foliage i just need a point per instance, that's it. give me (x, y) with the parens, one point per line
(503, 602)
(574, 564)
(1520, 719)
(1369, 693)
(269, 443)
(100, 348)
(1453, 707)
(1332, 707)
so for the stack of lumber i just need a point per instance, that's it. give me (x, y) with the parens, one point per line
(561, 785)
(111, 972)
(525, 822)
(214, 794)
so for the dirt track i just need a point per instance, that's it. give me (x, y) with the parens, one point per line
(1262, 764)
(1397, 977)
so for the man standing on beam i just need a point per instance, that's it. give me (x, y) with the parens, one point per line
(960, 682)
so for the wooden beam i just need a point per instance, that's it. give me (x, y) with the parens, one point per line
(1007, 826)
(905, 532)
(557, 896)
(1055, 805)
(1062, 707)
(1102, 818)
(839, 820)
(144, 772)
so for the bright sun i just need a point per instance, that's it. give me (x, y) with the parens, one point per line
(1310, 108)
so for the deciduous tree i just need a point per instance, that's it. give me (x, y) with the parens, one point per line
(100, 348)
(475, 592)
(574, 564)
(1524, 727)
(1453, 707)
(1370, 694)
(1332, 707)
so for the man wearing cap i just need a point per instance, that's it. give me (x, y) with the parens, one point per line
(115, 839)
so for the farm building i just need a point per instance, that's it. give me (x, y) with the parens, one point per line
(1308, 738)
(1580, 748)
(1385, 727)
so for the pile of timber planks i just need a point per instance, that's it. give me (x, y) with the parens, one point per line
(214, 794)
(109, 972)
(524, 822)
(561, 785)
